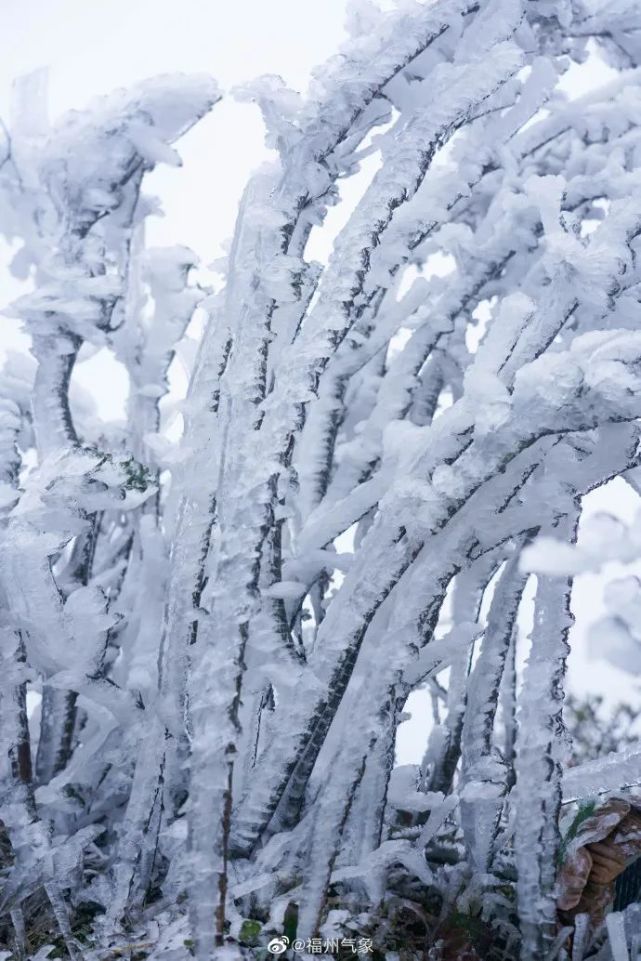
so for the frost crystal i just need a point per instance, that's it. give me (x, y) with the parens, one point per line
(209, 634)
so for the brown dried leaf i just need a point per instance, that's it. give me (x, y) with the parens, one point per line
(602, 823)
(573, 878)
(605, 845)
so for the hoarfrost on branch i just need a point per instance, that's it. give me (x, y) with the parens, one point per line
(223, 631)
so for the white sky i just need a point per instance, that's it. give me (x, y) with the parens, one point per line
(93, 46)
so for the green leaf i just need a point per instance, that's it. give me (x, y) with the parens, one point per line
(249, 932)
(586, 810)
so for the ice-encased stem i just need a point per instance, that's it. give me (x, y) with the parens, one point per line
(481, 773)
(539, 749)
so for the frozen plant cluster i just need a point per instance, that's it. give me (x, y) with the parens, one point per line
(221, 633)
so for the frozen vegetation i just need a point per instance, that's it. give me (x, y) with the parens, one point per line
(216, 630)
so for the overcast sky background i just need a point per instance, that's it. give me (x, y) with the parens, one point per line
(93, 46)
